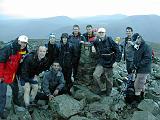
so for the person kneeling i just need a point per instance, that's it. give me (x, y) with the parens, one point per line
(53, 83)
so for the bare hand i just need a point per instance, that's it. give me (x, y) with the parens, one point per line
(1, 79)
(51, 97)
(56, 92)
(93, 49)
(115, 64)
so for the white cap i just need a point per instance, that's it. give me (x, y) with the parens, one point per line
(23, 38)
(101, 30)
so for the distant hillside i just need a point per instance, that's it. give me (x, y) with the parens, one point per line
(147, 25)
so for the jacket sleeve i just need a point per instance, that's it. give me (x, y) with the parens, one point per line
(147, 58)
(61, 81)
(83, 38)
(45, 84)
(4, 56)
(116, 49)
(25, 68)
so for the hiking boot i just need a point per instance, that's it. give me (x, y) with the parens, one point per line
(19, 108)
(108, 91)
(138, 98)
(142, 95)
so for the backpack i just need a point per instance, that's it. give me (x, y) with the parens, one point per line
(130, 93)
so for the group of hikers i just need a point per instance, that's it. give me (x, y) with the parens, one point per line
(59, 61)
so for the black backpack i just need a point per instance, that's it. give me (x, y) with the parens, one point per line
(130, 93)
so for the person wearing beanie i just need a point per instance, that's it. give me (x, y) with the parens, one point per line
(66, 57)
(141, 65)
(52, 53)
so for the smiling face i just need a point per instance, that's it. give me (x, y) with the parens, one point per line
(41, 52)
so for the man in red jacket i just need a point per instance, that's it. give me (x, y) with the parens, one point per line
(10, 57)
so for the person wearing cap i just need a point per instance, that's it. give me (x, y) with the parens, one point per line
(33, 64)
(10, 57)
(108, 55)
(76, 39)
(142, 65)
(66, 56)
(52, 53)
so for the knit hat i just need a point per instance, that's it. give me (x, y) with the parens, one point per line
(64, 35)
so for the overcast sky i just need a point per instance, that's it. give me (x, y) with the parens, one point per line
(77, 8)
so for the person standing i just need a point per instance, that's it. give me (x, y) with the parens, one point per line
(128, 52)
(10, 57)
(89, 35)
(76, 39)
(66, 56)
(52, 53)
(142, 65)
(108, 55)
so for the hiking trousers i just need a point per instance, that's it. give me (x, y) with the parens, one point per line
(108, 72)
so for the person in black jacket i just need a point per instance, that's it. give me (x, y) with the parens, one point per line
(52, 53)
(76, 39)
(108, 55)
(33, 64)
(142, 65)
(53, 83)
(66, 56)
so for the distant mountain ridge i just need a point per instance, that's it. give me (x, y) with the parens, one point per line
(146, 25)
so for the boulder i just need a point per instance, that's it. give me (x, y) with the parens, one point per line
(150, 106)
(78, 118)
(42, 115)
(143, 115)
(65, 106)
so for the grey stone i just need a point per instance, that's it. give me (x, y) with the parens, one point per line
(99, 107)
(119, 106)
(65, 106)
(107, 100)
(157, 90)
(113, 116)
(42, 115)
(78, 118)
(143, 115)
(150, 95)
(19, 116)
(150, 106)
(90, 97)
